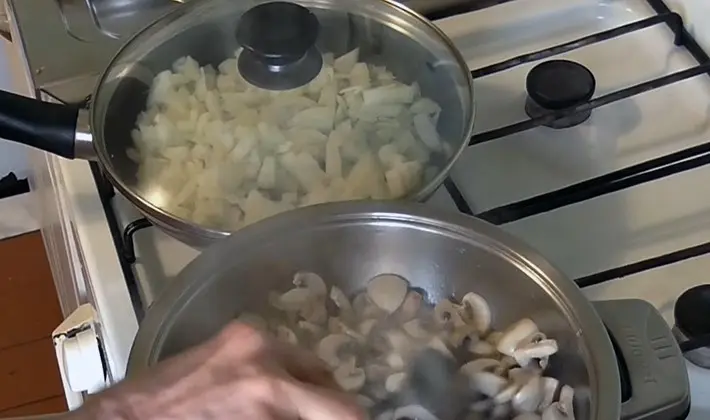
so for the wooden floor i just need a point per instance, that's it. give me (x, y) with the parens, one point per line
(29, 311)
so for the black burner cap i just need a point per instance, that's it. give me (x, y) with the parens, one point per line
(560, 84)
(692, 311)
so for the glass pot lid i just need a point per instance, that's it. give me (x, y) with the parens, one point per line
(223, 90)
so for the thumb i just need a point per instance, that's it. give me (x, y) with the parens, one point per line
(311, 402)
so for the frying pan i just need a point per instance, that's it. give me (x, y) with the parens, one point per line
(210, 31)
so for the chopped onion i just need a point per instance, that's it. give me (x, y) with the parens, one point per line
(224, 153)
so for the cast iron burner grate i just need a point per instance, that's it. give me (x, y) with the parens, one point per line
(584, 104)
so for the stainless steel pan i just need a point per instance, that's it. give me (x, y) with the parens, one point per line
(620, 356)
(445, 255)
(389, 33)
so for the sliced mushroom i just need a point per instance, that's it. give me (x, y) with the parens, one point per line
(309, 332)
(540, 350)
(330, 348)
(388, 323)
(315, 312)
(349, 377)
(387, 291)
(521, 376)
(377, 391)
(447, 313)
(364, 307)
(310, 281)
(506, 363)
(529, 397)
(549, 386)
(366, 326)
(337, 326)
(506, 395)
(343, 303)
(293, 300)
(410, 306)
(479, 365)
(395, 382)
(312, 328)
(556, 411)
(566, 400)
(477, 311)
(488, 383)
(514, 335)
(286, 335)
(415, 329)
(494, 337)
(395, 361)
(437, 344)
(399, 341)
(462, 333)
(377, 372)
(413, 412)
(481, 348)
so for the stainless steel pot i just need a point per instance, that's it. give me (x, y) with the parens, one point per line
(443, 254)
(386, 32)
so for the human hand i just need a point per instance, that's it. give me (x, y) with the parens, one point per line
(239, 374)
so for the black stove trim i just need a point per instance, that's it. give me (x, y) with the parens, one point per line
(589, 105)
(640, 173)
(129, 250)
(673, 20)
(460, 8)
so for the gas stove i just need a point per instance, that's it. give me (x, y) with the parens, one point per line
(604, 177)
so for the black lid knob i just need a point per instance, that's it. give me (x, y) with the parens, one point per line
(692, 311)
(278, 33)
(560, 84)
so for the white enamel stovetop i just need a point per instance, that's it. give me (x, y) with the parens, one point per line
(620, 228)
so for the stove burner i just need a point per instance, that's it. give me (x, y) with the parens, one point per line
(692, 324)
(559, 84)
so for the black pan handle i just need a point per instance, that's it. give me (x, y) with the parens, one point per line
(43, 125)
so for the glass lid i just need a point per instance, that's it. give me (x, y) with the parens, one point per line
(224, 112)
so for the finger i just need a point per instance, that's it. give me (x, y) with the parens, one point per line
(311, 402)
(241, 335)
(304, 366)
